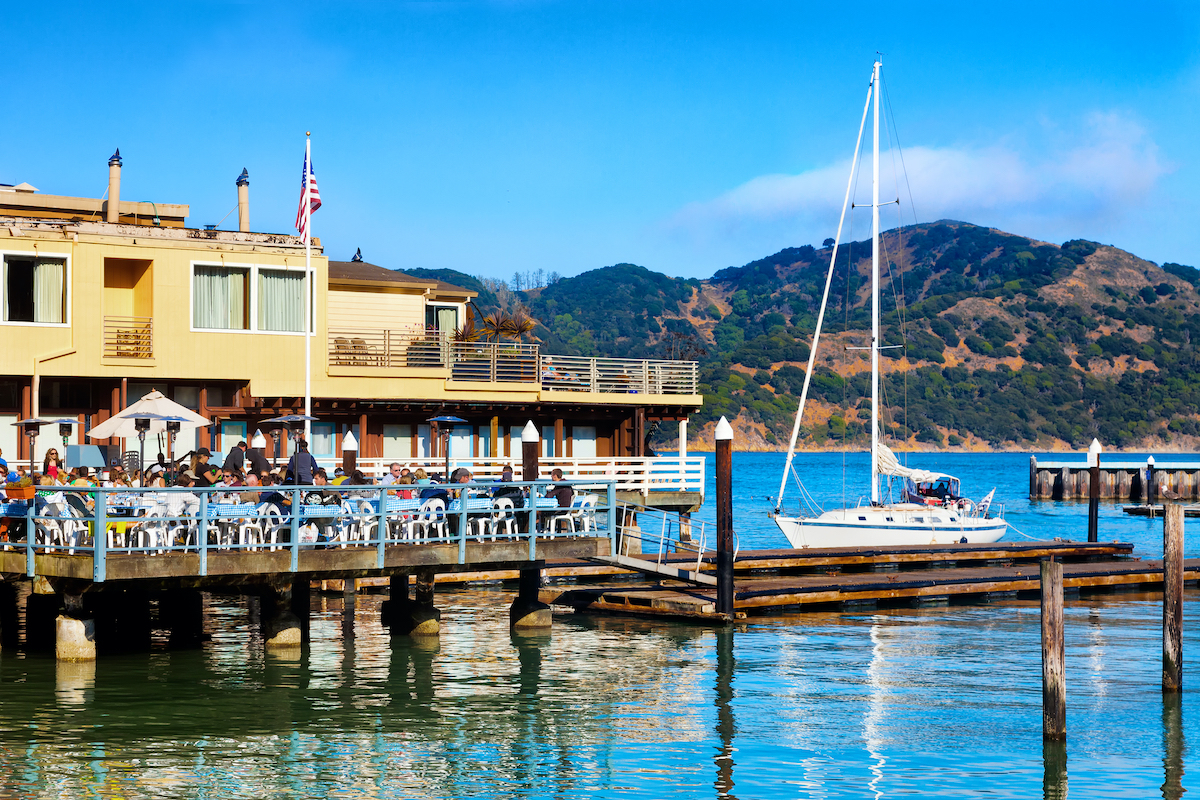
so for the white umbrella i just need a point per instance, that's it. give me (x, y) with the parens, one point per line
(152, 405)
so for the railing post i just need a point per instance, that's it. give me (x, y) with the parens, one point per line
(100, 539)
(296, 508)
(29, 533)
(383, 527)
(645, 377)
(202, 533)
(462, 526)
(594, 376)
(612, 515)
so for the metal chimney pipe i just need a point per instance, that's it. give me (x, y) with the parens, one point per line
(112, 209)
(243, 186)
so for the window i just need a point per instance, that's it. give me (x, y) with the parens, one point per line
(188, 397)
(280, 300)
(247, 298)
(322, 439)
(443, 319)
(35, 289)
(220, 298)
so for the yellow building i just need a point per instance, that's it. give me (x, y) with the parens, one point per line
(103, 300)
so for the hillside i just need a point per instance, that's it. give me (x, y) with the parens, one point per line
(1000, 341)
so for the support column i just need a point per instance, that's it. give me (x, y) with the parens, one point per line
(181, 611)
(42, 607)
(1054, 691)
(1172, 612)
(10, 620)
(74, 634)
(527, 612)
(283, 628)
(724, 446)
(413, 617)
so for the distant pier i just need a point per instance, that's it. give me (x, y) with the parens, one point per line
(1119, 480)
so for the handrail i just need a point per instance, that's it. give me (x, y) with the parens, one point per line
(128, 337)
(508, 362)
(631, 474)
(669, 538)
(106, 523)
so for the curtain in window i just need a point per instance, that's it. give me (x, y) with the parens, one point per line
(280, 300)
(49, 276)
(219, 298)
(322, 440)
(447, 320)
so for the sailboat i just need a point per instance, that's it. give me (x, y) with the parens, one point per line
(931, 508)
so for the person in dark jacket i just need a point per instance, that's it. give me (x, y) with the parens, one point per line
(301, 466)
(236, 460)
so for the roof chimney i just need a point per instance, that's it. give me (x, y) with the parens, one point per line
(243, 184)
(112, 209)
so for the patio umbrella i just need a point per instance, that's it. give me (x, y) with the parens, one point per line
(157, 407)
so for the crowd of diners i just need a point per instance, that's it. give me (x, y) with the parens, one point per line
(245, 476)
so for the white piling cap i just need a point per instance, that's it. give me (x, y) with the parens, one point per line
(349, 442)
(259, 441)
(530, 433)
(1150, 461)
(724, 430)
(1094, 450)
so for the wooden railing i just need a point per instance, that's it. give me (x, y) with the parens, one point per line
(509, 362)
(643, 475)
(128, 337)
(646, 376)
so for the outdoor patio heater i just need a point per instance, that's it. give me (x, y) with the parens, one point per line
(443, 434)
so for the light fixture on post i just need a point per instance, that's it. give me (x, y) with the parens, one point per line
(293, 422)
(443, 435)
(141, 425)
(30, 427)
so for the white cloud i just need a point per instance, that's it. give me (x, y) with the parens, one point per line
(1080, 183)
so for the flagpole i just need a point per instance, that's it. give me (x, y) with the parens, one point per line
(307, 288)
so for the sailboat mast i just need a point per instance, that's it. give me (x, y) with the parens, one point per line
(875, 343)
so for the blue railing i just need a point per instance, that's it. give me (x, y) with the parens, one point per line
(103, 523)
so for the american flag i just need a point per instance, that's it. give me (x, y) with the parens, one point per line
(310, 195)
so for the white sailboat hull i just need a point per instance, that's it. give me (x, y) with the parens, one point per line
(898, 524)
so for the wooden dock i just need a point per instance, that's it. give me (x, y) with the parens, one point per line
(1157, 510)
(882, 576)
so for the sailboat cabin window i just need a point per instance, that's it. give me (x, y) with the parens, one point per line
(935, 519)
(918, 519)
(862, 519)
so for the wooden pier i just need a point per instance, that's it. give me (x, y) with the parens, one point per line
(1119, 480)
(774, 581)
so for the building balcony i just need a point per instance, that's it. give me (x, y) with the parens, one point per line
(378, 351)
(129, 337)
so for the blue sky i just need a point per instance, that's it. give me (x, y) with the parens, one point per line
(493, 137)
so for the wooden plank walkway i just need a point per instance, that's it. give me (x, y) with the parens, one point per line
(786, 560)
(800, 592)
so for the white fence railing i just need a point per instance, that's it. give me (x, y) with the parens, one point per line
(644, 475)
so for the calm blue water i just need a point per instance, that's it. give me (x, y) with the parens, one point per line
(933, 702)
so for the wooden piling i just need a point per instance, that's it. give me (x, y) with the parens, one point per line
(724, 446)
(1172, 669)
(1094, 502)
(1054, 690)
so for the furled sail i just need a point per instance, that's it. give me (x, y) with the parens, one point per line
(890, 465)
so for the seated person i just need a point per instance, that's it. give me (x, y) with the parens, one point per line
(323, 495)
(434, 490)
(563, 493)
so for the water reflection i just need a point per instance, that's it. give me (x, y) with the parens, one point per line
(928, 702)
(1173, 746)
(723, 700)
(1054, 780)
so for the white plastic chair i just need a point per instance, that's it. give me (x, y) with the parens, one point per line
(431, 515)
(504, 516)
